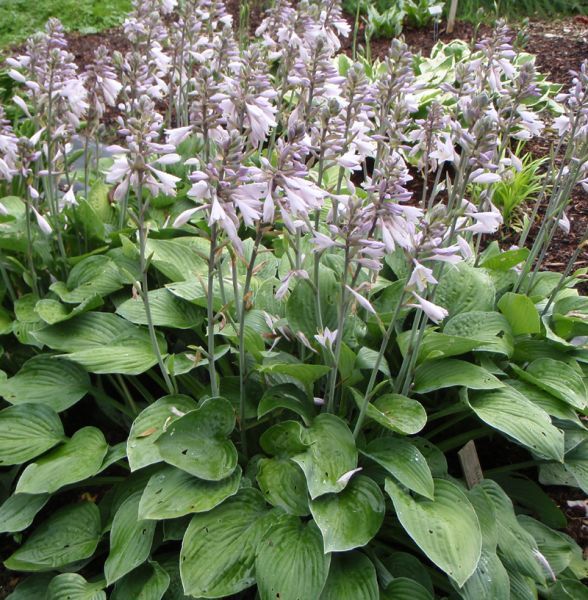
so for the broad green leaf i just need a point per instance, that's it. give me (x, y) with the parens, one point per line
(351, 518)
(568, 589)
(576, 464)
(490, 579)
(198, 442)
(150, 424)
(283, 485)
(52, 311)
(68, 535)
(522, 587)
(402, 588)
(506, 260)
(95, 275)
(19, 510)
(179, 259)
(463, 288)
(290, 562)
(166, 309)
(450, 372)
(521, 313)
(511, 413)
(32, 587)
(446, 529)
(435, 345)
(218, 551)
(285, 439)
(331, 454)
(305, 373)
(78, 459)
(47, 380)
(559, 379)
(352, 575)
(404, 461)
(395, 412)
(171, 564)
(130, 540)
(71, 586)
(26, 431)
(491, 329)
(402, 564)
(172, 493)
(286, 396)
(147, 582)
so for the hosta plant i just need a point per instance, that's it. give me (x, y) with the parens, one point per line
(239, 355)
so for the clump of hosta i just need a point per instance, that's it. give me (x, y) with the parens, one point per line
(271, 303)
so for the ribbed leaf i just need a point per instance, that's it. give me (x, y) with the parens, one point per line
(463, 288)
(179, 259)
(78, 459)
(405, 589)
(352, 575)
(69, 535)
(404, 461)
(150, 424)
(491, 329)
(290, 562)
(395, 412)
(283, 485)
(130, 540)
(490, 579)
(147, 582)
(172, 493)
(351, 518)
(445, 529)
(218, 551)
(71, 586)
(510, 412)
(331, 454)
(26, 431)
(450, 372)
(47, 380)
(19, 510)
(198, 442)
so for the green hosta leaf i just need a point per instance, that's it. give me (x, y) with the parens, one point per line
(285, 439)
(71, 586)
(31, 588)
(95, 275)
(521, 313)
(569, 589)
(68, 535)
(52, 311)
(78, 459)
(307, 374)
(290, 562)
(403, 564)
(19, 510)
(172, 493)
(404, 461)
(445, 529)
(198, 442)
(46, 380)
(26, 431)
(167, 310)
(405, 589)
(218, 551)
(286, 396)
(171, 564)
(331, 454)
(439, 374)
(351, 518)
(283, 485)
(150, 424)
(352, 575)
(463, 288)
(576, 463)
(179, 259)
(490, 579)
(435, 345)
(506, 260)
(557, 378)
(130, 540)
(491, 329)
(148, 582)
(396, 412)
(511, 413)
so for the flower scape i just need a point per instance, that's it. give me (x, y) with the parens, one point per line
(254, 303)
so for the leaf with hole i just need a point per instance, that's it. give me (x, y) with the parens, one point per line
(198, 442)
(351, 518)
(26, 431)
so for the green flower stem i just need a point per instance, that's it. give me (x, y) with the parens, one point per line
(210, 311)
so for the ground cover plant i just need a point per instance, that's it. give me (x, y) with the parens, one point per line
(240, 350)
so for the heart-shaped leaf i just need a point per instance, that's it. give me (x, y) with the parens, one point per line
(130, 540)
(172, 493)
(404, 461)
(395, 412)
(283, 484)
(219, 547)
(150, 424)
(446, 529)
(68, 535)
(290, 562)
(352, 575)
(351, 518)
(47, 380)
(330, 455)
(198, 442)
(26, 431)
(78, 459)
